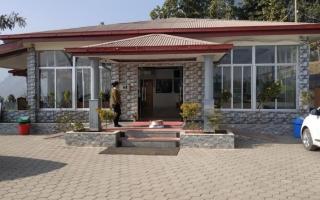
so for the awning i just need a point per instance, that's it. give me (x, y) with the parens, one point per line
(13, 55)
(152, 44)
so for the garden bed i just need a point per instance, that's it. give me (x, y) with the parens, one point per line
(93, 139)
(198, 139)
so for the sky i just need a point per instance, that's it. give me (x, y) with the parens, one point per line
(43, 15)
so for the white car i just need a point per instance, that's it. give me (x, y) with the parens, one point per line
(310, 130)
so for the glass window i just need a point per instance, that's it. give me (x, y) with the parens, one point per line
(217, 84)
(46, 58)
(83, 87)
(242, 55)
(83, 62)
(47, 88)
(226, 59)
(63, 59)
(226, 89)
(64, 88)
(246, 87)
(164, 86)
(287, 54)
(265, 76)
(265, 54)
(105, 85)
(237, 87)
(287, 77)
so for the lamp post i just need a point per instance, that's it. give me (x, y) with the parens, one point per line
(295, 11)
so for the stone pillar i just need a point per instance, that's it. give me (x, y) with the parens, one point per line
(303, 74)
(94, 121)
(208, 90)
(32, 84)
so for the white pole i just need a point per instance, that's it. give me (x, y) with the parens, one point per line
(295, 11)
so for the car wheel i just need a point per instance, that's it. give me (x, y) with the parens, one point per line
(307, 140)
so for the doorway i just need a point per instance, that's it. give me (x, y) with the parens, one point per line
(160, 93)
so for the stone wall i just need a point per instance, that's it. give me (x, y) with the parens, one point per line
(193, 84)
(46, 116)
(32, 84)
(36, 128)
(303, 76)
(95, 139)
(128, 76)
(212, 141)
(11, 116)
(258, 117)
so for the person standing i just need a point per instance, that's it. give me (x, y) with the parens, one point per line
(115, 102)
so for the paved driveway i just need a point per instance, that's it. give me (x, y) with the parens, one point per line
(36, 168)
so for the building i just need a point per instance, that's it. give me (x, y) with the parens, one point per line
(161, 64)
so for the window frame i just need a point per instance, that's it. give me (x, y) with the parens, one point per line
(254, 66)
(74, 68)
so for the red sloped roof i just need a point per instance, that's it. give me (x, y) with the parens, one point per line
(153, 40)
(153, 44)
(11, 47)
(177, 25)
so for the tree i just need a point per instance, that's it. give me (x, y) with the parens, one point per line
(182, 9)
(222, 9)
(9, 21)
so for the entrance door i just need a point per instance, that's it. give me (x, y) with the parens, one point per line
(146, 105)
(160, 93)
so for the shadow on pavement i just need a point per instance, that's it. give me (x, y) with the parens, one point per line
(12, 168)
(252, 140)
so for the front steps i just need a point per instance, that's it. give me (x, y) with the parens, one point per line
(149, 139)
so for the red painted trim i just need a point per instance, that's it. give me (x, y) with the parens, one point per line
(157, 60)
(11, 47)
(185, 49)
(215, 31)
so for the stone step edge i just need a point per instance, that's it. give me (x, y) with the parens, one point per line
(151, 139)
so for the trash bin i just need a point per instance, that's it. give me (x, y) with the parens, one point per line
(24, 125)
(297, 123)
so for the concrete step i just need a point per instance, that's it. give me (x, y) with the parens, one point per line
(153, 142)
(152, 134)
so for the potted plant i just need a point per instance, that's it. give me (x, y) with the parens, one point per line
(270, 91)
(106, 115)
(214, 119)
(189, 112)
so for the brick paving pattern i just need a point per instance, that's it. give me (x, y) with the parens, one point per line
(33, 167)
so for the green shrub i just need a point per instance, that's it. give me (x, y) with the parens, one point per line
(78, 127)
(189, 111)
(214, 119)
(106, 115)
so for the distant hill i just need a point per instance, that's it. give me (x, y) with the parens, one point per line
(13, 85)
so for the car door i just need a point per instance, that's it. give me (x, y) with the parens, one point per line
(314, 125)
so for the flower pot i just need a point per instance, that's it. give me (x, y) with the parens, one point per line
(24, 129)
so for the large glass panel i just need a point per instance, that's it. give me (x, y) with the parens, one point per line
(265, 54)
(82, 61)
(226, 59)
(63, 59)
(47, 94)
(105, 85)
(226, 92)
(242, 55)
(287, 98)
(217, 84)
(83, 88)
(246, 87)
(287, 54)
(265, 76)
(237, 87)
(64, 88)
(46, 58)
